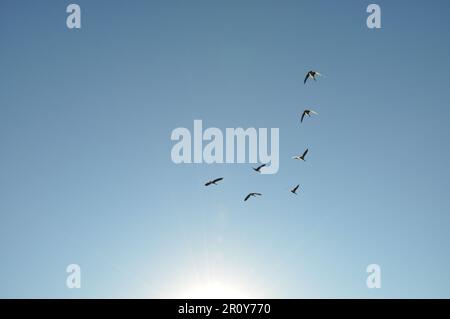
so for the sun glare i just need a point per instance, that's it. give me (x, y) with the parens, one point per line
(214, 290)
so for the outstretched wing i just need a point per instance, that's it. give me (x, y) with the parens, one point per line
(217, 180)
(303, 116)
(247, 197)
(306, 78)
(208, 183)
(296, 187)
(304, 154)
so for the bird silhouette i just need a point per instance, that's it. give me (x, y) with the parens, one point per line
(302, 157)
(214, 181)
(311, 75)
(258, 169)
(251, 195)
(308, 113)
(294, 190)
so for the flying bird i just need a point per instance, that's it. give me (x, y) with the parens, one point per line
(258, 169)
(302, 157)
(250, 195)
(214, 181)
(308, 113)
(311, 75)
(294, 190)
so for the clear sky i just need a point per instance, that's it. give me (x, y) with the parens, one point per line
(86, 175)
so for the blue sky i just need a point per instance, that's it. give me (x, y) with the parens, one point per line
(86, 175)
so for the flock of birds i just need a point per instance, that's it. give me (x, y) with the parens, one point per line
(310, 75)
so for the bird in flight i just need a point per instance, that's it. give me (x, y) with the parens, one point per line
(302, 157)
(294, 190)
(308, 113)
(214, 181)
(311, 75)
(258, 169)
(250, 195)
